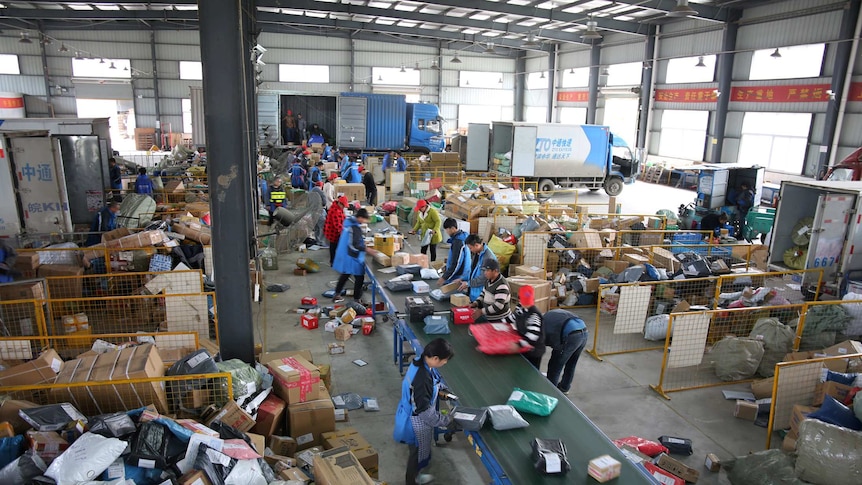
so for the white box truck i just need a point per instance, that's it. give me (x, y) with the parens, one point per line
(832, 228)
(553, 154)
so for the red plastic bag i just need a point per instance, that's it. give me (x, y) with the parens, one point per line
(389, 206)
(498, 339)
(647, 447)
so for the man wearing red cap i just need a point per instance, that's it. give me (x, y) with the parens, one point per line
(528, 323)
(334, 225)
(427, 219)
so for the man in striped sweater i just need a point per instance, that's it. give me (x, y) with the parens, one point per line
(493, 305)
(527, 320)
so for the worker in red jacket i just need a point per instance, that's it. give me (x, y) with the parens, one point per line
(334, 225)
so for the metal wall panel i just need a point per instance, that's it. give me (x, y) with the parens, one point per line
(34, 85)
(302, 42)
(30, 65)
(809, 29)
(199, 136)
(818, 123)
(851, 131)
(145, 107)
(403, 47)
(106, 36)
(619, 49)
(689, 45)
(578, 58)
(173, 88)
(296, 56)
(176, 52)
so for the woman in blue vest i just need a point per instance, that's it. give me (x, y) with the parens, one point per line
(481, 253)
(417, 413)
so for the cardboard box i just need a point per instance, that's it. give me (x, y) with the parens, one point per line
(712, 463)
(47, 444)
(799, 414)
(450, 287)
(258, 442)
(270, 417)
(635, 258)
(459, 300)
(678, 468)
(174, 186)
(282, 445)
(41, 369)
(194, 231)
(22, 290)
(788, 444)
(616, 266)
(420, 259)
(762, 388)
(588, 238)
(339, 467)
(746, 410)
(326, 375)
(663, 476)
(308, 421)
(344, 332)
(847, 347)
(232, 415)
(295, 379)
(830, 388)
(142, 361)
(293, 476)
(360, 447)
(195, 477)
(835, 365)
(9, 413)
(400, 258)
(351, 191)
(28, 263)
(388, 244)
(533, 271)
(116, 234)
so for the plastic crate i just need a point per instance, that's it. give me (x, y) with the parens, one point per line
(701, 248)
(687, 238)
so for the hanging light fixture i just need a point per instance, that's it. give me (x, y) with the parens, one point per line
(379, 78)
(45, 39)
(489, 49)
(102, 61)
(682, 9)
(572, 70)
(500, 81)
(112, 66)
(455, 59)
(125, 68)
(775, 54)
(416, 68)
(542, 76)
(605, 71)
(591, 33)
(434, 65)
(78, 55)
(402, 68)
(647, 65)
(25, 38)
(700, 62)
(530, 42)
(63, 48)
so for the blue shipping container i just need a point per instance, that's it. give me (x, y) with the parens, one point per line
(386, 120)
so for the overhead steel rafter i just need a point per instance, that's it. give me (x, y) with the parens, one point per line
(662, 7)
(415, 16)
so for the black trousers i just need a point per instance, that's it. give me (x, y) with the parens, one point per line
(359, 280)
(433, 247)
(333, 246)
(412, 465)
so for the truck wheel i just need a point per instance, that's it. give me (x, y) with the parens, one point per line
(613, 186)
(546, 185)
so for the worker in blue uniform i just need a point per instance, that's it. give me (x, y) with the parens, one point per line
(143, 184)
(480, 253)
(417, 414)
(350, 256)
(458, 263)
(351, 174)
(105, 220)
(7, 261)
(566, 334)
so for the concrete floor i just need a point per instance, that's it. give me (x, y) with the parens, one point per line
(614, 394)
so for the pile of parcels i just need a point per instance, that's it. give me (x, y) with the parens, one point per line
(346, 320)
(654, 456)
(144, 428)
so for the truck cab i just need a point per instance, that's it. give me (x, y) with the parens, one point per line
(624, 163)
(424, 128)
(849, 169)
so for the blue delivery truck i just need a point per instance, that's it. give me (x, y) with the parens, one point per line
(370, 122)
(553, 154)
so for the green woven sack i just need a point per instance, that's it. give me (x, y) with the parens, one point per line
(532, 402)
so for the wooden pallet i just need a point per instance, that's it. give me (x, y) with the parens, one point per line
(652, 174)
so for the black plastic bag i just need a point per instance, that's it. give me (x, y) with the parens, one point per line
(198, 362)
(114, 425)
(216, 470)
(549, 456)
(149, 447)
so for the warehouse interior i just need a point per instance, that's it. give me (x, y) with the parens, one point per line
(203, 97)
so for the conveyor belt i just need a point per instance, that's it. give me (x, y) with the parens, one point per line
(481, 380)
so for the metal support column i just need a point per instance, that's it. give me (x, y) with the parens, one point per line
(439, 61)
(646, 87)
(592, 101)
(840, 79)
(520, 85)
(226, 40)
(352, 45)
(46, 75)
(552, 82)
(156, 98)
(725, 77)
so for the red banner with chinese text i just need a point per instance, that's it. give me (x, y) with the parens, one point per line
(700, 95)
(789, 93)
(573, 96)
(11, 103)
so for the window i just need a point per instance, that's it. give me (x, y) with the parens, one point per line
(475, 79)
(298, 73)
(775, 140)
(393, 75)
(121, 116)
(535, 114)
(573, 116)
(471, 113)
(621, 116)
(537, 80)
(431, 126)
(191, 70)
(576, 78)
(686, 70)
(187, 115)
(628, 74)
(9, 64)
(683, 134)
(795, 62)
(104, 68)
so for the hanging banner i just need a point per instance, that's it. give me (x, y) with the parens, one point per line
(573, 96)
(699, 95)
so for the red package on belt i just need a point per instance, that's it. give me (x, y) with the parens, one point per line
(308, 300)
(462, 315)
(498, 339)
(647, 447)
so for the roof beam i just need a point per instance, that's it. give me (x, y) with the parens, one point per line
(98, 15)
(416, 16)
(705, 12)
